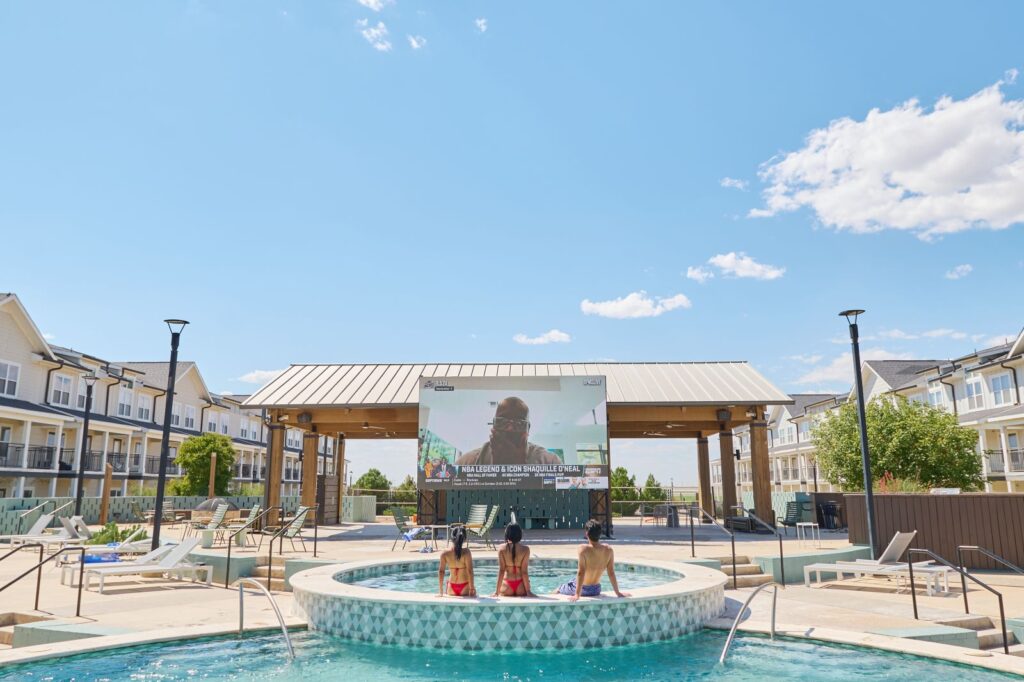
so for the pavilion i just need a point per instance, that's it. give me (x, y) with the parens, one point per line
(645, 400)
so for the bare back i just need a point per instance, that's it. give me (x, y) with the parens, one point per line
(594, 561)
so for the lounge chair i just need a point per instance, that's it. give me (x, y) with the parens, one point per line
(66, 536)
(292, 529)
(476, 517)
(215, 523)
(170, 563)
(169, 514)
(81, 527)
(239, 524)
(887, 565)
(793, 516)
(406, 531)
(484, 531)
(36, 530)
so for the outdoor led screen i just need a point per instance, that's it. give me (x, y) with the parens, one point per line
(513, 432)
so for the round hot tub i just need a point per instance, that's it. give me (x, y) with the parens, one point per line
(396, 602)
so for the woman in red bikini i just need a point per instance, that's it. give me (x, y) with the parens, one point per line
(460, 561)
(513, 565)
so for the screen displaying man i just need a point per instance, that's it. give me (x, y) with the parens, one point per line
(509, 442)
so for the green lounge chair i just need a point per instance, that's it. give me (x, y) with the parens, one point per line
(484, 531)
(406, 531)
(793, 516)
(293, 528)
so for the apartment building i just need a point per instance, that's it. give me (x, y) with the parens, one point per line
(42, 408)
(982, 389)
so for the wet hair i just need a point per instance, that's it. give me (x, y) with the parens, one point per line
(458, 538)
(513, 535)
(593, 530)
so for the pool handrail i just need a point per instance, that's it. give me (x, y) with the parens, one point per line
(279, 535)
(231, 538)
(38, 568)
(732, 539)
(963, 574)
(782, 561)
(25, 513)
(736, 621)
(987, 552)
(273, 604)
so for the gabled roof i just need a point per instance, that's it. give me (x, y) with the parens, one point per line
(900, 373)
(157, 373)
(802, 401)
(651, 383)
(9, 300)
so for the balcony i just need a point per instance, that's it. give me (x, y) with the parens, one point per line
(119, 462)
(40, 457)
(10, 455)
(94, 461)
(995, 462)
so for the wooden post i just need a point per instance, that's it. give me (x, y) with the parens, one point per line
(212, 489)
(759, 467)
(108, 481)
(704, 475)
(339, 470)
(728, 463)
(275, 462)
(310, 440)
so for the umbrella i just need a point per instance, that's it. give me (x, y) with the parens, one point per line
(213, 502)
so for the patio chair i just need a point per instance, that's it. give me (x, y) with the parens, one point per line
(294, 528)
(239, 524)
(793, 516)
(476, 517)
(216, 522)
(35, 530)
(80, 526)
(406, 531)
(170, 563)
(887, 564)
(136, 510)
(484, 531)
(169, 514)
(66, 536)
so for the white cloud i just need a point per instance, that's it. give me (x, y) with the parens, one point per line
(960, 271)
(733, 183)
(943, 333)
(636, 304)
(805, 359)
(48, 336)
(375, 35)
(417, 42)
(260, 376)
(699, 274)
(375, 5)
(957, 167)
(998, 340)
(552, 336)
(741, 265)
(481, 25)
(897, 334)
(840, 369)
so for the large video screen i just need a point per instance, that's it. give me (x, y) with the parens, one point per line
(522, 433)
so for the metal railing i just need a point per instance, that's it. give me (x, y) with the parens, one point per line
(963, 576)
(10, 455)
(782, 561)
(990, 554)
(279, 535)
(732, 539)
(736, 622)
(247, 526)
(38, 568)
(273, 604)
(118, 461)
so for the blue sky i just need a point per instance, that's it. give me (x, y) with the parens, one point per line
(408, 181)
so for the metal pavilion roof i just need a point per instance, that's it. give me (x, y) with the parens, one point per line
(642, 383)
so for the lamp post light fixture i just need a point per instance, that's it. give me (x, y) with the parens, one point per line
(90, 381)
(176, 326)
(869, 500)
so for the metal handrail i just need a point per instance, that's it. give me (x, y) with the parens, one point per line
(963, 574)
(736, 621)
(279, 535)
(773, 529)
(38, 568)
(732, 538)
(227, 563)
(26, 513)
(273, 604)
(987, 552)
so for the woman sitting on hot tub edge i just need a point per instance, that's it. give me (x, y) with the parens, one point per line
(513, 565)
(460, 560)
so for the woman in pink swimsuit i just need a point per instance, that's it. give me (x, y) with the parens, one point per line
(460, 561)
(513, 565)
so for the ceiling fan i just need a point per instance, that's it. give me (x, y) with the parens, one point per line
(368, 427)
(656, 434)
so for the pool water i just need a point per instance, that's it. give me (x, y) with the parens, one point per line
(320, 658)
(543, 579)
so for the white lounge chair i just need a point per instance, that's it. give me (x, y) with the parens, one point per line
(36, 530)
(81, 527)
(66, 536)
(887, 565)
(149, 557)
(172, 564)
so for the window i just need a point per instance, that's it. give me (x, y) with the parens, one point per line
(975, 395)
(175, 415)
(937, 397)
(145, 407)
(805, 432)
(124, 402)
(9, 378)
(1002, 391)
(61, 394)
(211, 422)
(225, 421)
(190, 417)
(83, 389)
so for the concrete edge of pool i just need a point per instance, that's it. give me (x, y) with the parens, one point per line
(674, 608)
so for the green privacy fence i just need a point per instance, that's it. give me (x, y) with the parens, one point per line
(121, 508)
(779, 501)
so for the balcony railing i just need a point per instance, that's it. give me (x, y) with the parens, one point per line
(93, 460)
(119, 462)
(153, 465)
(10, 455)
(40, 457)
(1017, 460)
(995, 462)
(67, 459)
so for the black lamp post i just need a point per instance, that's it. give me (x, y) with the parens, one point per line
(869, 500)
(90, 381)
(165, 442)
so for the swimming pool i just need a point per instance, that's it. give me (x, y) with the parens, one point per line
(322, 657)
(545, 577)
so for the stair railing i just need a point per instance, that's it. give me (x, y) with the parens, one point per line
(231, 541)
(773, 529)
(732, 539)
(273, 604)
(38, 568)
(736, 621)
(963, 574)
(987, 552)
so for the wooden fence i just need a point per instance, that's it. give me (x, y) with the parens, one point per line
(991, 520)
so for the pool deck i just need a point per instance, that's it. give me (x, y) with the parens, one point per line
(144, 609)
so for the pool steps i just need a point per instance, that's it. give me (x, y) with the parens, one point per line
(990, 636)
(748, 574)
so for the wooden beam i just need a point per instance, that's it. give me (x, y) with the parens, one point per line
(704, 475)
(759, 467)
(275, 463)
(727, 462)
(309, 465)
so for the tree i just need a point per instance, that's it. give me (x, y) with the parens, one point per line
(194, 460)
(406, 490)
(372, 480)
(623, 492)
(909, 441)
(652, 491)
